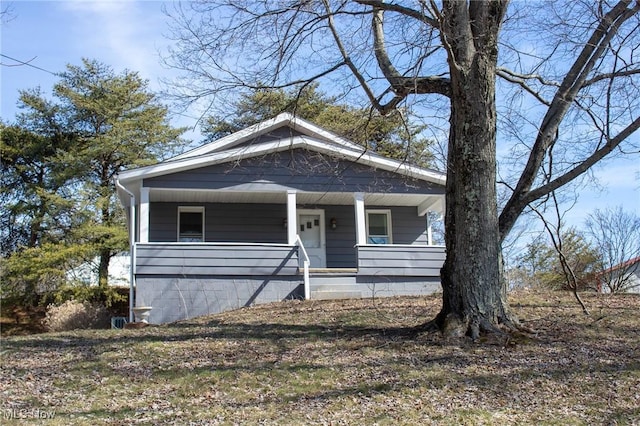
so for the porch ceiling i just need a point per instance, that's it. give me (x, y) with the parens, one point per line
(328, 198)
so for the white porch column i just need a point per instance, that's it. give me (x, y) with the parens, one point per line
(292, 217)
(144, 215)
(361, 222)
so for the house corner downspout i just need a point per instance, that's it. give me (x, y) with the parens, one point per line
(132, 247)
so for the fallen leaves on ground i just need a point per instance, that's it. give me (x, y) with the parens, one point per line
(336, 362)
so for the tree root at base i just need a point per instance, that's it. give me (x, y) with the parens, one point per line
(507, 331)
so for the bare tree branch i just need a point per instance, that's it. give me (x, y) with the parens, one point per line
(394, 7)
(347, 60)
(616, 234)
(401, 85)
(520, 80)
(563, 99)
(610, 75)
(582, 167)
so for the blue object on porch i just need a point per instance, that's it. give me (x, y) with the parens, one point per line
(118, 322)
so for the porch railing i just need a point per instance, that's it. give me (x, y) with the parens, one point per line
(400, 260)
(232, 259)
(305, 267)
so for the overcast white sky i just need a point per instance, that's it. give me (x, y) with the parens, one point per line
(129, 34)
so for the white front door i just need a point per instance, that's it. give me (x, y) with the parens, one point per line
(311, 231)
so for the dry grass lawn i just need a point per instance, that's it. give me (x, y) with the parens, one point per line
(335, 363)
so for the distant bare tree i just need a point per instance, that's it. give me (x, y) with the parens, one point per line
(616, 234)
(567, 75)
(563, 246)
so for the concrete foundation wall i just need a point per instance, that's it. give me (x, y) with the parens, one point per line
(399, 286)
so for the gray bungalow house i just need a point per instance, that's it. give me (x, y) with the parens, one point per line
(282, 209)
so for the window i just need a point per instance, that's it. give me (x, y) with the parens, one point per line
(191, 224)
(379, 226)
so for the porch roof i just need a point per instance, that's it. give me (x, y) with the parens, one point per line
(432, 202)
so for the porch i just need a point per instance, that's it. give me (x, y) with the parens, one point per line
(233, 249)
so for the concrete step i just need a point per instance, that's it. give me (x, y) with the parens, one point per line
(321, 281)
(347, 286)
(334, 284)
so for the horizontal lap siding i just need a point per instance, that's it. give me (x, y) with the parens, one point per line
(406, 226)
(341, 252)
(389, 260)
(297, 169)
(263, 223)
(246, 223)
(274, 135)
(228, 222)
(187, 260)
(163, 222)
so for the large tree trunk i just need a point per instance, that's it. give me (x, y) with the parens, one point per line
(474, 299)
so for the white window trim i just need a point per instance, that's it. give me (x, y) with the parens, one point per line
(380, 211)
(190, 209)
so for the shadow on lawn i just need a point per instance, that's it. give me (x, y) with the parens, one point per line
(368, 384)
(212, 330)
(232, 410)
(215, 329)
(431, 364)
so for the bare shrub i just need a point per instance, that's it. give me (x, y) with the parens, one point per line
(72, 315)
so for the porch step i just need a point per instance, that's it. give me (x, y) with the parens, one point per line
(328, 283)
(334, 284)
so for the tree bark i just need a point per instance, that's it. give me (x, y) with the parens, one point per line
(105, 252)
(474, 299)
(103, 268)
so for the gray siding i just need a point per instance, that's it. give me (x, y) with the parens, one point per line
(203, 259)
(341, 252)
(406, 226)
(182, 280)
(406, 261)
(262, 223)
(241, 223)
(295, 169)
